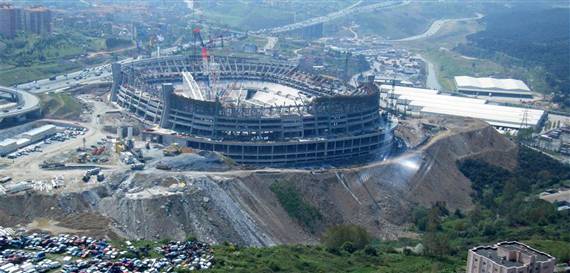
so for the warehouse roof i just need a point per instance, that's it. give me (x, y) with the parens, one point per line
(40, 130)
(490, 83)
(7, 142)
(430, 102)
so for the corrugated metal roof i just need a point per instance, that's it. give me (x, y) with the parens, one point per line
(39, 130)
(7, 142)
(430, 102)
(490, 83)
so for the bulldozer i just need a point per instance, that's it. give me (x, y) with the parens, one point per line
(172, 150)
(175, 149)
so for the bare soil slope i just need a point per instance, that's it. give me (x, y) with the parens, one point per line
(239, 205)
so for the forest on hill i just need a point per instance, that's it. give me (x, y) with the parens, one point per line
(528, 37)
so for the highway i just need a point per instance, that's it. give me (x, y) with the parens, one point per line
(26, 103)
(350, 10)
(435, 27)
(65, 81)
(101, 73)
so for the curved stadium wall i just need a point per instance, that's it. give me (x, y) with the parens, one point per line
(339, 123)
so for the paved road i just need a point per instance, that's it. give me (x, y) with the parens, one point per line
(436, 26)
(101, 73)
(431, 77)
(350, 10)
(63, 82)
(26, 103)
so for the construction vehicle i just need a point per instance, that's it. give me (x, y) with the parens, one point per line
(137, 167)
(162, 166)
(118, 147)
(172, 150)
(94, 171)
(138, 153)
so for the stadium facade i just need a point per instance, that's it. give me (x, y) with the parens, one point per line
(279, 115)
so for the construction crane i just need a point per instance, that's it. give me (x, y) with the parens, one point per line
(197, 37)
(346, 61)
(209, 65)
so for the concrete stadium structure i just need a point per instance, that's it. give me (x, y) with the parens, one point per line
(282, 116)
(17, 105)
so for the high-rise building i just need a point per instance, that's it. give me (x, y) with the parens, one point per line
(37, 20)
(10, 20)
(509, 257)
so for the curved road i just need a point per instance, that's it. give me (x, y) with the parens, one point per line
(26, 103)
(435, 27)
(350, 10)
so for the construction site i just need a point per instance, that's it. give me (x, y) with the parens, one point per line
(182, 145)
(253, 111)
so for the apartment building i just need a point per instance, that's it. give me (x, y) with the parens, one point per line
(36, 20)
(509, 257)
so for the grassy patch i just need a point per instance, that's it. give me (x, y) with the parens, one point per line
(253, 15)
(300, 258)
(408, 20)
(30, 57)
(558, 249)
(439, 49)
(61, 106)
(292, 201)
(35, 72)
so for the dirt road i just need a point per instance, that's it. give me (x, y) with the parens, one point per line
(27, 167)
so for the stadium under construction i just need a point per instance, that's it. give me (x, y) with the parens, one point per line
(253, 110)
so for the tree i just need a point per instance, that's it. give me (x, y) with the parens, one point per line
(433, 221)
(347, 237)
(436, 244)
(419, 216)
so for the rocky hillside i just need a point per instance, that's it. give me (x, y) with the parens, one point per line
(267, 207)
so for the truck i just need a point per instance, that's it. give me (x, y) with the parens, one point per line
(137, 167)
(94, 171)
(5, 179)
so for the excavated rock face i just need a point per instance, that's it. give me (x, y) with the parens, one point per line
(439, 179)
(239, 205)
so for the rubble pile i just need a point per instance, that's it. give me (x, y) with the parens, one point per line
(38, 253)
(203, 161)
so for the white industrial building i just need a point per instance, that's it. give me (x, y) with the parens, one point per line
(420, 102)
(40, 133)
(11, 145)
(7, 146)
(492, 87)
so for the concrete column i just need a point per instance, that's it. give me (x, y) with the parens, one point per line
(117, 80)
(167, 90)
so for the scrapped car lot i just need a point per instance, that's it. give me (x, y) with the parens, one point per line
(38, 253)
